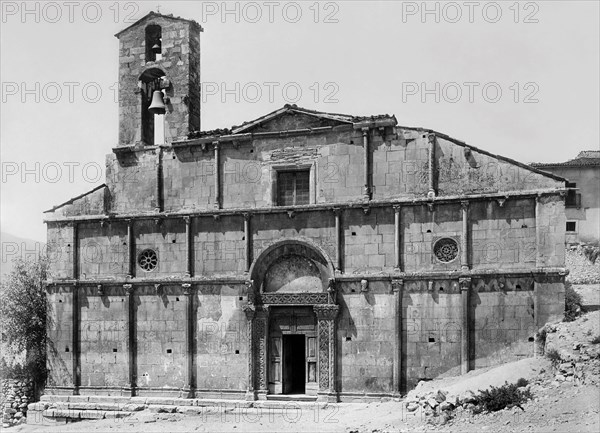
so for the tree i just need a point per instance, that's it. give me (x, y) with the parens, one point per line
(23, 309)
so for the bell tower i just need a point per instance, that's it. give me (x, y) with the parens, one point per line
(159, 80)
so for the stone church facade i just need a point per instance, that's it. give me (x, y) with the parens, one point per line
(331, 256)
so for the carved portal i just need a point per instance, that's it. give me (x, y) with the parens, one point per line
(276, 295)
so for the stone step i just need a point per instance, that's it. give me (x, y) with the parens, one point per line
(291, 397)
(54, 409)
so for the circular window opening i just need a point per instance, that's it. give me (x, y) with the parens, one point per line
(148, 260)
(445, 250)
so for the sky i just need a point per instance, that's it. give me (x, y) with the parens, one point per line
(520, 79)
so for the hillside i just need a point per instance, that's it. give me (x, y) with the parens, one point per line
(14, 246)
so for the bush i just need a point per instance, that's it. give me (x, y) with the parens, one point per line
(591, 253)
(522, 382)
(23, 317)
(554, 356)
(572, 303)
(506, 396)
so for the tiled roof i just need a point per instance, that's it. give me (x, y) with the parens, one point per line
(586, 158)
(344, 118)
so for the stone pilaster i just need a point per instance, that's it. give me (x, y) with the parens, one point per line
(465, 287)
(326, 328)
(189, 247)
(188, 391)
(367, 187)
(250, 311)
(248, 240)
(397, 238)
(464, 239)
(397, 286)
(337, 212)
(75, 341)
(261, 336)
(131, 340)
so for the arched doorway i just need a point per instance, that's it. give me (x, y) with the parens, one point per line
(291, 315)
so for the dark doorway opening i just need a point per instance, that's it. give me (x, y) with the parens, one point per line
(294, 361)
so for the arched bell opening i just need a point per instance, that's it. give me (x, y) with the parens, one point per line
(151, 83)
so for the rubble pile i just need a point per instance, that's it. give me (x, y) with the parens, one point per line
(15, 396)
(581, 271)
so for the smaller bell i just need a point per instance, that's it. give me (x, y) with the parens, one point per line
(156, 49)
(158, 105)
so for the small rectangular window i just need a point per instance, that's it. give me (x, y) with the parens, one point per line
(573, 198)
(293, 187)
(571, 226)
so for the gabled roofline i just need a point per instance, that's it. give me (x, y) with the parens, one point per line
(336, 117)
(156, 14)
(285, 109)
(72, 200)
(485, 152)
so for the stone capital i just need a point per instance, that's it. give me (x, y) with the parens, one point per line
(397, 284)
(326, 312)
(464, 283)
(187, 289)
(249, 310)
(128, 288)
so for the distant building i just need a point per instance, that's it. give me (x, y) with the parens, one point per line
(583, 199)
(334, 256)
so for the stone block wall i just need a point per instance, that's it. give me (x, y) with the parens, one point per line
(431, 326)
(502, 316)
(368, 240)
(222, 339)
(551, 231)
(168, 240)
(318, 226)
(59, 336)
(160, 328)
(60, 249)
(132, 181)
(365, 338)
(103, 250)
(103, 337)
(188, 179)
(219, 246)
(503, 236)
(421, 228)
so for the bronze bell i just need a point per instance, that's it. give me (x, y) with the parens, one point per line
(156, 49)
(158, 105)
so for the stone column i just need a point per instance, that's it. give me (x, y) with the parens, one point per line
(326, 314)
(464, 240)
(189, 247)
(250, 311)
(397, 238)
(465, 285)
(248, 240)
(367, 189)
(338, 239)
(397, 285)
(131, 342)
(188, 390)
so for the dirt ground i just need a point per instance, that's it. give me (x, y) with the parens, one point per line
(557, 406)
